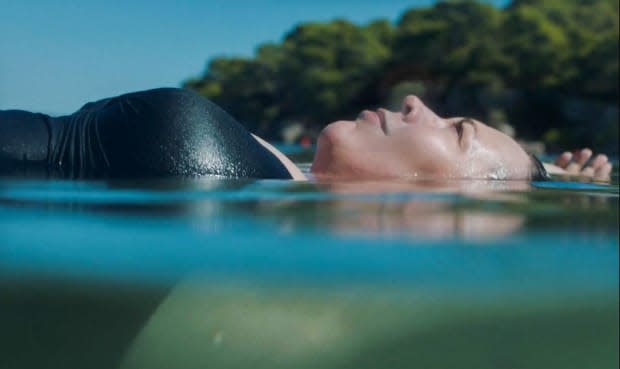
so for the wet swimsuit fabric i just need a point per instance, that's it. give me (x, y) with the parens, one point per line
(165, 132)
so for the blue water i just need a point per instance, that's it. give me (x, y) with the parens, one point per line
(551, 243)
(128, 232)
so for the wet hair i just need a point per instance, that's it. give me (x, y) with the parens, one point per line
(537, 170)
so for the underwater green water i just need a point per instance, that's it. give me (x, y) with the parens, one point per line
(220, 273)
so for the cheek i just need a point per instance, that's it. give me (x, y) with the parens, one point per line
(349, 150)
(499, 162)
(427, 155)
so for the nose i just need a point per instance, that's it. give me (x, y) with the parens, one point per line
(411, 103)
(415, 111)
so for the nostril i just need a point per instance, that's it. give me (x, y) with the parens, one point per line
(409, 104)
(407, 108)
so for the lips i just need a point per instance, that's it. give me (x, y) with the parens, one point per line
(377, 118)
(383, 120)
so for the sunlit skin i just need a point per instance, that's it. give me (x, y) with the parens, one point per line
(417, 143)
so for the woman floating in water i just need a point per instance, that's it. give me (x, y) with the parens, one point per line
(170, 132)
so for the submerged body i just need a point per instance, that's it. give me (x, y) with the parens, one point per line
(164, 132)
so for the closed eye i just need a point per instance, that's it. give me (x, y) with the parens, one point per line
(458, 127)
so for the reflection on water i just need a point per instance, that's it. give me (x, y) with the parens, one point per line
(376, 210)
(226, 273)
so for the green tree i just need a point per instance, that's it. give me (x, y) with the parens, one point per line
(551, 66)
(328, 65)
(446, 41)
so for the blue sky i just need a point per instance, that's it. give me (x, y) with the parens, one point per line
(57, 55)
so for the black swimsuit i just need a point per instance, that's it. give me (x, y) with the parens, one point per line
(165, 132)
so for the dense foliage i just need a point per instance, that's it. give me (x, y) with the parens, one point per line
(548, 67)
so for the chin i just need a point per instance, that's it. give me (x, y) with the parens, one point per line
(333, 135)
(322, 154)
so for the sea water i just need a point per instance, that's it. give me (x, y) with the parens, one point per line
(216, 273)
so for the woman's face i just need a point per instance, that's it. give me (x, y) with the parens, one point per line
(416, 143)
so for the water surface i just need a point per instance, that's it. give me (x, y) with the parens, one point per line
(266, 273)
